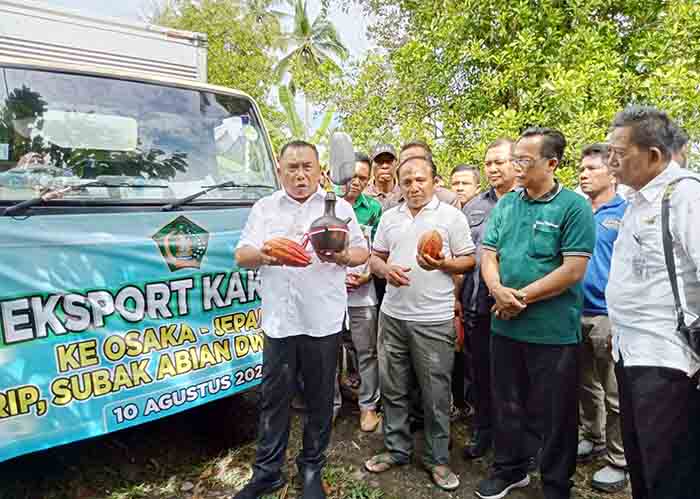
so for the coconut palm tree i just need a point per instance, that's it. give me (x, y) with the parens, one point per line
(313, 43)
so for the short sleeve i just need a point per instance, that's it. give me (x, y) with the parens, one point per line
(460, 233)
(578, 232)
(492, 238)
(254, 231)
(376, 216)
(381, 242)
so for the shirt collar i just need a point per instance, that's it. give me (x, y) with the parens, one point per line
(319, 192)
(373, 191)
(361, 201)
(432, 205)
(654, 189)
(491, 193)
(545, 198)
(613, 203)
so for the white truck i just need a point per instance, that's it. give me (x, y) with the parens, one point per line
(125, 182)
(35, 31)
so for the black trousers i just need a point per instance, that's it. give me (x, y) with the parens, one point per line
(535, 381)
(478, 369)
(660, 416)
(315, 359)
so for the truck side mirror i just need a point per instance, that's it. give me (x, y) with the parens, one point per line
(342, 159)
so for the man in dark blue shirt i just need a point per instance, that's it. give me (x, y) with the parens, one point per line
(599, 395)
(476, 302)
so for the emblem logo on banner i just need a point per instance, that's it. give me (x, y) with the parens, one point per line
(182, 243)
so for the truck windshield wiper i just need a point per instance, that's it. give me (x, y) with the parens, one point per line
(208, 188)
(52, 194)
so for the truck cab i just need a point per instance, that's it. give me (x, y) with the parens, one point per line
(122, 197)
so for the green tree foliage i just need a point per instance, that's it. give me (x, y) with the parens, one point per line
(460, 73)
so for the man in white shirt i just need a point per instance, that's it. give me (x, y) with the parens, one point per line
(659, 402)
(362, 299)
(417, 317)
(302, 316)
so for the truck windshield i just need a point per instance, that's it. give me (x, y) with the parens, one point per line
(60, 129)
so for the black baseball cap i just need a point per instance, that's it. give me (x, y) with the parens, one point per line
(382, 149)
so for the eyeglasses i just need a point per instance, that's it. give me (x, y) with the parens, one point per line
(525, 162)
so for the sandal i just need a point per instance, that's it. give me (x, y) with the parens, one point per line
(380, 463)
(444, 477)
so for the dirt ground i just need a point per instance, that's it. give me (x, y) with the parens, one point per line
(205, 453)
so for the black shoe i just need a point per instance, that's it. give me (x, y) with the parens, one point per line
(479, 446)
(497, 488)
(258, 487)
(313, 486)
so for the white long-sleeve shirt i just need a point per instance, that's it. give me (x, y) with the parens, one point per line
(310, 300)
(639, 297)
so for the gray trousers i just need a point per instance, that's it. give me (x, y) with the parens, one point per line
(363, 327)
(600, 403)
(421, 352)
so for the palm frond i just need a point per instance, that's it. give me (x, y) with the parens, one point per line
(326, 33)
(294, 122)
(284, 64)
(325, 124)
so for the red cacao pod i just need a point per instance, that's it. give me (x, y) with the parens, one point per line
(287, 252)
(430, 244)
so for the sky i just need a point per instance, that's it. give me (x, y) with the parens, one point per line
(351, 26)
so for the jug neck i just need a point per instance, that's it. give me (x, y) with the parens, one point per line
(330, 204)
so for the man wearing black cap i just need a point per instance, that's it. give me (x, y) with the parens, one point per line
(383, 186)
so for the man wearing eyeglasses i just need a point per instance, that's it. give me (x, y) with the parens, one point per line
(655, 366)
(534, 257)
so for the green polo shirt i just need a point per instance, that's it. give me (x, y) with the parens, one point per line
(531, 237)
(368, 212)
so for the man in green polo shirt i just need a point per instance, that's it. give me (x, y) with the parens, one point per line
(534, 256)
(367, 209)
(362, 299)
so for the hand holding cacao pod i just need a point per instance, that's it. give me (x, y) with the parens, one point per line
(286, 252)
(430, 244)
(429, 255)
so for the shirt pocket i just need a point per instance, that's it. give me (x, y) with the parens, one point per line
(545, 240)
(287, 227)
(476, 218)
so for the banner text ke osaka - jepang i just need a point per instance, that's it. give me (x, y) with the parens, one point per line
(161, 338)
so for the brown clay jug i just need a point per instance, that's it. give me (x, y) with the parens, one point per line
(329, 233)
